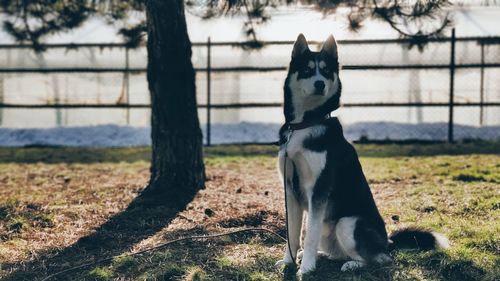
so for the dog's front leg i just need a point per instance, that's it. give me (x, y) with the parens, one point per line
(313, 236)
(294, 214)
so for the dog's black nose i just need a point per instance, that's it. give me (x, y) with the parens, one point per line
(319, 85)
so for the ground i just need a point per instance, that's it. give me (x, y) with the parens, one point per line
(62, 207)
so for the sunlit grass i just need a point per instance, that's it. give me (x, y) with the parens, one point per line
(49, 198)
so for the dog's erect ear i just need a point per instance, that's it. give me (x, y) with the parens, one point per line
(330, 47)
(300, 46)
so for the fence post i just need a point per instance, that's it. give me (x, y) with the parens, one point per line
(481, 87)
(127, 81)
(208, 90)
(1, 98)
(452, 88)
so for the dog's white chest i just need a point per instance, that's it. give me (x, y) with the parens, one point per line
(308, 163)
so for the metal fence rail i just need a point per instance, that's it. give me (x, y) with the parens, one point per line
(243, 69)
(451, 65)
(249, 105)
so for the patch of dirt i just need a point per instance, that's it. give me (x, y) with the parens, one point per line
(256, 219)
(239, 194)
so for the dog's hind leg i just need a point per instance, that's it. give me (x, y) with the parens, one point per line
(344, 231)
(363, 241)
(329, 246)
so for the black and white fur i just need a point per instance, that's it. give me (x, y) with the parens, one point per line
(324, 178)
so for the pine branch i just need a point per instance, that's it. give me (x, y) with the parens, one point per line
(33, 20)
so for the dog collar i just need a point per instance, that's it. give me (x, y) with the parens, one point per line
(306, 124)
(299, 126)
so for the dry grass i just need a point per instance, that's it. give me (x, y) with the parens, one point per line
(47, 206)
(75, 197)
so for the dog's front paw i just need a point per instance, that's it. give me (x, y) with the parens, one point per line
(287, 260)
(352, 265)
(305, 268)
(284, 262)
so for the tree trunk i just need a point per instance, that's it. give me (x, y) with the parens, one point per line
(177, 170)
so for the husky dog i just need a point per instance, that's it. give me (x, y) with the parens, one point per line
(323, 175)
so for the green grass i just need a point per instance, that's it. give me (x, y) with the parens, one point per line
(52, 197)
(97, 155)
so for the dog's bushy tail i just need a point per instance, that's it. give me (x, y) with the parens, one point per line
(417, 238)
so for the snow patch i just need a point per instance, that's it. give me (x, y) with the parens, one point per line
(124, 136)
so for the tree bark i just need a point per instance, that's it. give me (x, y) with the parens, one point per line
(177, 170)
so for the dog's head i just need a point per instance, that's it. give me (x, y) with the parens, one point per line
(312, 87)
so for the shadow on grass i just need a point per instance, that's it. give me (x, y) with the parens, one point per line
(139, 221)
(53, 155)
(190, 260)
(242, 256)
(433, 265)
(186, 260)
